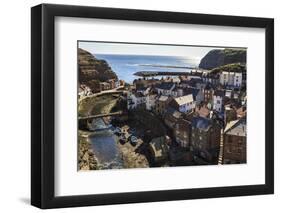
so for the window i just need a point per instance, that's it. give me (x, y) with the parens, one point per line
(240, 143)
(203, 154)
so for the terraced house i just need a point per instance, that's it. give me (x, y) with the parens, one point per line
(231, 79)
(183, 103)
(235, 135)
(205, 139)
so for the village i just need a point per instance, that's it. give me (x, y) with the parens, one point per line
(174, 119)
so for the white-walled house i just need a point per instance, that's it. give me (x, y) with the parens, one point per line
(183, 103)
(165, 88)
(144, 90)
(135, 100)
(225, 78)
(231, 79)
(117, 84)
(229, 93)
(217, 100)
(210, 78)
(198, 95)
(150, 101)
(177, 92)
(84, 91)
(238, 79)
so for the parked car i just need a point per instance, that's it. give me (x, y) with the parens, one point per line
(132, 131)
(118, 131)
(133, 140)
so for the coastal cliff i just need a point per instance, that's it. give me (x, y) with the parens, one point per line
(92, 71)
(220, 57)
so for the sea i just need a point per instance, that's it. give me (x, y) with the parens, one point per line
(126, 65)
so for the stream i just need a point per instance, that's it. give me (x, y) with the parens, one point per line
(104, 145)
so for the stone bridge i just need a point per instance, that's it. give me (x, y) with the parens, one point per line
(85, 121)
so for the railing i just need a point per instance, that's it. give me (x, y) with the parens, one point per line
(102, 115)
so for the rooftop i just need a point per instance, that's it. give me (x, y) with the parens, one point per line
(165, 85)
(139, 94)
(209, 86)
(203, 111)
(191, 90)
(219, 93)
(163, 98)
(173, 112)
(159, 146)
(201, 123)
(236, 127)
(184, 99)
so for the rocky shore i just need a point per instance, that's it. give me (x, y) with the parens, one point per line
(86, 158)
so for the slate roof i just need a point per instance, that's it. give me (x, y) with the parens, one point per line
(192, 82)
(191, 90)
(142, 88)
(209, 86)
(203, 111)
(219, 93)
(165, 85)
(196, 80)
(237, 127)
(139, 95)
(201, 123)
(173, 112)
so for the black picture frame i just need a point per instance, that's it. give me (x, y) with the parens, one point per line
(43, 102)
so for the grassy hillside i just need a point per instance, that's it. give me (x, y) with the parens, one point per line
(236, 67)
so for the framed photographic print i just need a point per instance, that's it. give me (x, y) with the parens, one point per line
(139, 106)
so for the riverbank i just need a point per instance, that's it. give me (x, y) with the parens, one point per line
(129, 154)
(86, 158)
(100, 150)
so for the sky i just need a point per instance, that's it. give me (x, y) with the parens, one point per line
(196, 52)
